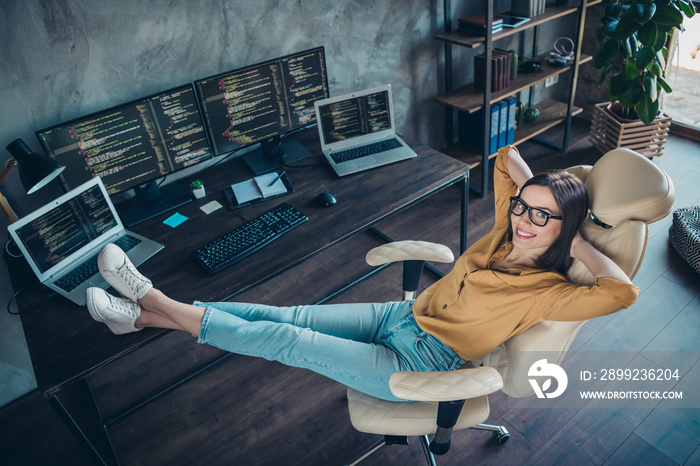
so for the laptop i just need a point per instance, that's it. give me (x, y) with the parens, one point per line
(61, 240)
(357, 131)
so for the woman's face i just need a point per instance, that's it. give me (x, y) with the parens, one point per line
(527, 235)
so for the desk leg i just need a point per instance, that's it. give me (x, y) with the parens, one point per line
(78, 409)
(464, 214)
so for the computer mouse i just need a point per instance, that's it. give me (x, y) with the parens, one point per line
(326, 200)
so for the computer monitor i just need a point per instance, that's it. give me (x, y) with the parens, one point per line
(259, 103)
(131, 146)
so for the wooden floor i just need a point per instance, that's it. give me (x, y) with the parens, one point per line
(255, 412)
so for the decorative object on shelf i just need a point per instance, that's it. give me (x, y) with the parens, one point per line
(519, 114)
(531, 115)
(608, 132)
(634, 35)
(197, 189)
(563, 52)
(530, 67)
(513, 64)
(35, 171)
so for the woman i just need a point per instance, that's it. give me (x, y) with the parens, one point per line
(506, 282)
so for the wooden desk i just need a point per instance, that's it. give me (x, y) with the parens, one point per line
(66, 345)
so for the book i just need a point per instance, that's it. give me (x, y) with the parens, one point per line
(512, 111)
(502, 123)
(476, 24)
(507, 65)
(525, 8)
(261, 187)
(478, 31)
(479, 20)
(471, 128)
(500, 70)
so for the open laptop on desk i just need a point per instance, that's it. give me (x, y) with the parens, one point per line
(357, 131)
(61, 240)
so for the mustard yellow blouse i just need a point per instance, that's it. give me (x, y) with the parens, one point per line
(476, 307)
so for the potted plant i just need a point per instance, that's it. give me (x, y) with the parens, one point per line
(197, 189)
(634, 37)
(634, 51)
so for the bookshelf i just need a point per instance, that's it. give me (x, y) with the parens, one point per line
(468, 100)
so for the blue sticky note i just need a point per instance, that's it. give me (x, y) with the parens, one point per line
(175, 220)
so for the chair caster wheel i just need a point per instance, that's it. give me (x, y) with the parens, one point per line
(500, 437)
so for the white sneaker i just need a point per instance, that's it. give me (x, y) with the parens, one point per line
(116, 268)
(119, 314)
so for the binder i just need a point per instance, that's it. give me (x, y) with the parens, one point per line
(512, 110)
(495, 114)
(502, 123)
(471, 128)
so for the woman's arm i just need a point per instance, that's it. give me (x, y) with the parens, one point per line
(598, 263)
(518, 170)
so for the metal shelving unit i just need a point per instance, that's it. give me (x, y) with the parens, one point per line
(468, 100)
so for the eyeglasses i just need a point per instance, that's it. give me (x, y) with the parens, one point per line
(537, 216)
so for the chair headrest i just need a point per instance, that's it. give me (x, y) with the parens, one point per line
(624, 185)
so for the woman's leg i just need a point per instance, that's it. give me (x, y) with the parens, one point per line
(365, 366)
(363, 322)
(158, 310)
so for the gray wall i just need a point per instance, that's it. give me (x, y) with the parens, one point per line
(65, 59)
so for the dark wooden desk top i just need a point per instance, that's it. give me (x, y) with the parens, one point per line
(65, 344)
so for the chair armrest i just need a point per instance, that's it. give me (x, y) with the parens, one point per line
(460, 384)
(398, 251)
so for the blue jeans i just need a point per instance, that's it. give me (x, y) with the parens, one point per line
(358, 345)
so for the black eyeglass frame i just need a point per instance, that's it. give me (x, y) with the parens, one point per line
(529, 210)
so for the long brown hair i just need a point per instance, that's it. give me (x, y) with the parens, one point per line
(572, 199)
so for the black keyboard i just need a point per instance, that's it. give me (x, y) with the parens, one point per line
(363, 151)
(88, 268)
(248, 238)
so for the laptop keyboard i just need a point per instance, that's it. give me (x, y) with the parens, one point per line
(88, 268)
(363, 151)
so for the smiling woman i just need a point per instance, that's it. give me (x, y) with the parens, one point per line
(501, 286)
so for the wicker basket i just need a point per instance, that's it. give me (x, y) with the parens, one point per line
(607, 133)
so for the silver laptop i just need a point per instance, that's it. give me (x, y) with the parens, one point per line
(61, 240)
(357, 131)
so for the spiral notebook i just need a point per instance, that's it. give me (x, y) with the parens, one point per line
(260, 188)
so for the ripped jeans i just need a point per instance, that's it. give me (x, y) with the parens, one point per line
(358, 345)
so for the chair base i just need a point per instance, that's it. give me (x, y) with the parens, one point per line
(500, 433)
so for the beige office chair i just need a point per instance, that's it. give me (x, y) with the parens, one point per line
(627, 192)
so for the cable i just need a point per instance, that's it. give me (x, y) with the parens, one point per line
(9, 303)
(9, 253)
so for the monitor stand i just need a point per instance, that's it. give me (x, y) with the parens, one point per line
(273, 155)
(150, 201)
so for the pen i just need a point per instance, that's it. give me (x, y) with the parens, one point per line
(276, 179)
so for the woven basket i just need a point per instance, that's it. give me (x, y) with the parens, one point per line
(607, 133)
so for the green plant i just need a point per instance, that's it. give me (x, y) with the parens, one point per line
(196, 184)
(635, 51)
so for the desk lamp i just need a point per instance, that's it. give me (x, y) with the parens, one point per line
(35, 171)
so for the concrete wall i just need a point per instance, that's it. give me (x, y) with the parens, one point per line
(65, 59)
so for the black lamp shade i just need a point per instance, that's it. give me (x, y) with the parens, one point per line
(35, 170)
